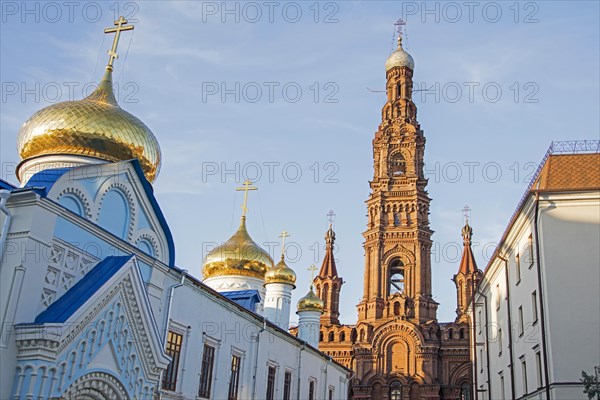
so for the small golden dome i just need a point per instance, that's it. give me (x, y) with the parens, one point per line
(310, 302)
(94, 127)
(281, 273)
(239, 256)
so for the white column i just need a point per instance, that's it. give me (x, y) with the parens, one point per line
(277, 305)
(309, 325)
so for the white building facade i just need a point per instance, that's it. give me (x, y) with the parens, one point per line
(92, 304)
(536, 315)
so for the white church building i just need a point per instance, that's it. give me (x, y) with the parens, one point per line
(92, 304)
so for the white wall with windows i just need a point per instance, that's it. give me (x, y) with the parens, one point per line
(536, 325)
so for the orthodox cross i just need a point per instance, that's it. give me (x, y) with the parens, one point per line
(283, 235)
(331, 217)
(247, 186)
(466, 213)
(312, 270)
(400, 23)
(120, 27)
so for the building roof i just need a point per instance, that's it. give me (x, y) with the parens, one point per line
(566, 166)
(78, 294)
(328, 268)
(467, 261)
(569, 172)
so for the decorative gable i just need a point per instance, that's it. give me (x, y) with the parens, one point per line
(100, 335)
(115, 196)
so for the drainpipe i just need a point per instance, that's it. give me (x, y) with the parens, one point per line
(487, 344)
(539, 279)
(325, 386)
(166, 334)
(264, 327)
(473, 337)
(4, 195)
(185, 346)
(510, 328)
(299, 366)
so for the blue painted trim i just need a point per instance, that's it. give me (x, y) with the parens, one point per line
(46, 179)
(159, 214)
(76, 296)
(6, 186)
(245, 298)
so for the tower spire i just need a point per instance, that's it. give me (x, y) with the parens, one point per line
(328, 282)
(468, 276)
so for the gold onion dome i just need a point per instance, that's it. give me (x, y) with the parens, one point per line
(310, 302)
(95, 127)
(239, 256)
(281, 273)
(399, 58)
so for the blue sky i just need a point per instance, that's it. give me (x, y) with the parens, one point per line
(482, 146)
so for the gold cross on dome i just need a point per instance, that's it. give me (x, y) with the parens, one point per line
(247, 186)
(466, 213)
(120, 27)
(283, 235)
(312, 270)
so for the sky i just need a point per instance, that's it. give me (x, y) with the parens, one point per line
(288, 94)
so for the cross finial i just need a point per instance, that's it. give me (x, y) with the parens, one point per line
(120, 27)
(331, 217)
(312, 270)
(247, 186)
(283, 235)
(466, 213)
(399, 24)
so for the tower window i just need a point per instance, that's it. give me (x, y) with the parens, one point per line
(396, 277)
(173, 350)
(397, 165)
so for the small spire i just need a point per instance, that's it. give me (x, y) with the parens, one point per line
(467, 231)
(328, 268)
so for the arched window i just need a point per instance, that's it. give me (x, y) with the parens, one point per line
(396, 308)
(353, 335)
(362, 335)
(331, 337)
(396, 277)
(397, 165)
(450, 333)
(465, 392)
(396, 391)
(398, 91)
(321, 336)
(342, 337)
(461, 333)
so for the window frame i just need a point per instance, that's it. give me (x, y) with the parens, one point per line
(534, 306)
(234, 376)
(287, 385)
(271, 381)
(206, 375)
(173, 350)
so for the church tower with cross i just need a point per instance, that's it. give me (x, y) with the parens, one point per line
(397, 348)
(328, 283)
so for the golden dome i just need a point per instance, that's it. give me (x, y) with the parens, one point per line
(237, 256)
(310, 302)
(94, 127)
(281, 273)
